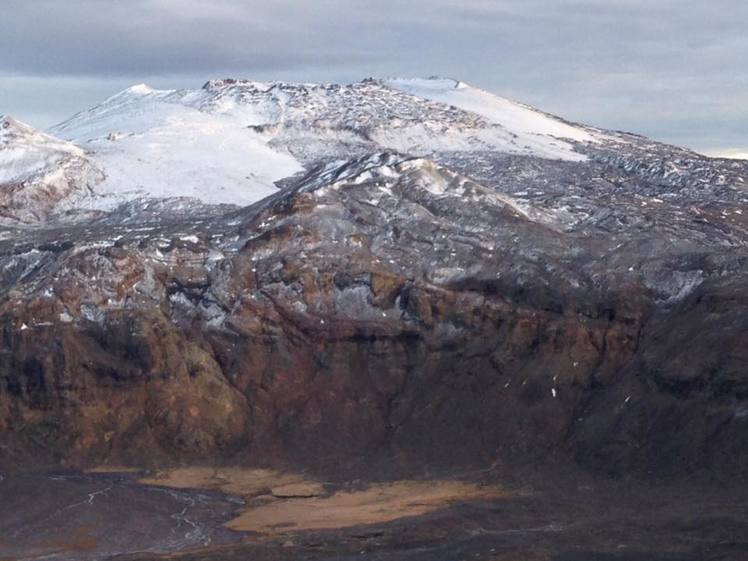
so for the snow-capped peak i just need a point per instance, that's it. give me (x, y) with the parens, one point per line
(516, 117)
(133, 93)
(231, 141)
(140, 89)
(10, 127)
(38, 172)
(25, 151)
(163, 143)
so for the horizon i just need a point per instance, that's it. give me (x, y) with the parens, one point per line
(666, 70)
(728, 153)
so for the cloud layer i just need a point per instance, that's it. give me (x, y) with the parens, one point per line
(672, 69)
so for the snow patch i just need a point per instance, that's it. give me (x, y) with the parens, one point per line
(167, 148)
(531, 129)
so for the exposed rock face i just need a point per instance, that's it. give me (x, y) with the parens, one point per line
(466, 307)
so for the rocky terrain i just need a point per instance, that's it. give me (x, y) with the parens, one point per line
(368, 279)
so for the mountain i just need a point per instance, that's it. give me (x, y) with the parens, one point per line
(38, 171)
(231, 141)
(417, 267)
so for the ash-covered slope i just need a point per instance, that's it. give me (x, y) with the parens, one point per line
(454, 302)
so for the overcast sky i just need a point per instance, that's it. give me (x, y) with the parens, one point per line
(675, 70)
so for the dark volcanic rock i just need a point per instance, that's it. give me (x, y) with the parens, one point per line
(389, 306)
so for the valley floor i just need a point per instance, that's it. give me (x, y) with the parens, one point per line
(222, 514)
